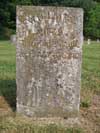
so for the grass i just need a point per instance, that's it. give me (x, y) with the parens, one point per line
(90, 72)
(7, 72)
(91, 67)
(40, 129)
(90, 86)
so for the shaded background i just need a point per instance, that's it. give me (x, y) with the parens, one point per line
(91, 14)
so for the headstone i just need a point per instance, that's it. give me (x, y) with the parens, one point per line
(49, 56)
(13, 39)
(98, 41)
(89, 41)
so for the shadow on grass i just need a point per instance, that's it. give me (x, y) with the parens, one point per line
(8, 91)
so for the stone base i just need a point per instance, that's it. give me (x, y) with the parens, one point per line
(40, 113)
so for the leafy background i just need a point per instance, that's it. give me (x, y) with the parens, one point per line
(91, 14)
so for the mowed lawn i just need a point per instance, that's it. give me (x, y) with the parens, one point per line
(8, 72)
(90, 72)
(91, 67)
(90, 76)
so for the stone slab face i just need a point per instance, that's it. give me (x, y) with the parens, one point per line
(49, 49)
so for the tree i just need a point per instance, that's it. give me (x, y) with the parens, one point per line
(92, 26)
(8, 10)
(8, 16)
(97, 0)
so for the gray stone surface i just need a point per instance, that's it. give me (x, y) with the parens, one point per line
(48, 57)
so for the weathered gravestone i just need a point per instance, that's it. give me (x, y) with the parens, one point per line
(98, 40)
(13, 39)
(49, 49)
(89, 41)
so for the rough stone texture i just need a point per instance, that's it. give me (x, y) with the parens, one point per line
(49, 49)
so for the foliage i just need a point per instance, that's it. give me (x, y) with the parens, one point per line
(91, 20)
(92, 27)
(85, 103)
